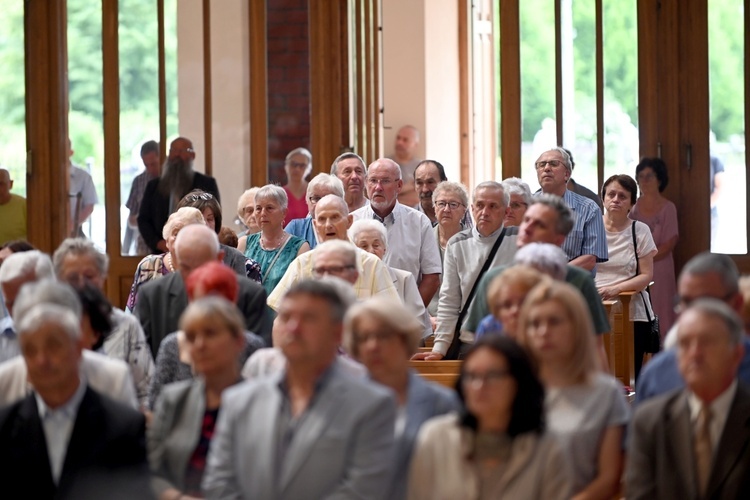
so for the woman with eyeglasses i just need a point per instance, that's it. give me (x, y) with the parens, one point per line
(298, 165)
(520, 199)
(586, 408)
(273, 248)
(496, 446)
(660, 215)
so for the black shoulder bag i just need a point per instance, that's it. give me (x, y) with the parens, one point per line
(654, 340)
(455, 346)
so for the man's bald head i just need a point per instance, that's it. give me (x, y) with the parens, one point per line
(332, 201)
(194, 246)
(332, 218)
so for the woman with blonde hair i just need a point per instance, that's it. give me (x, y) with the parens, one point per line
(586, 408)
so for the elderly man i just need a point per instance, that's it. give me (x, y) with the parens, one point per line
(586, 243)
(311, 431)
(77, 262)
(17, 270)
(320, 186)
(12, 211)
(350, 168)
(427, 175)
(331, 222)
(706, 275)
(82, 195)
(161, 302)
(412, 240)
(695, 443)
(66, 440)
(405, 150)
(163, 194)
(487, 240)
(150, 159)
(105, 375)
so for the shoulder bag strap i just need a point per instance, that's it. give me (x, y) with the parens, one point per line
(275, 258)
(485, 267)
(638, 271)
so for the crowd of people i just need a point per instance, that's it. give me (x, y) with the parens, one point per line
(279, 363)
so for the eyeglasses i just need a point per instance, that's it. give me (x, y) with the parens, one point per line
(515, 205)
(248, 210)
(540, 165)
(295, 164)
(319, 272)
(382, 182)
(191, 198)
(453, 205)
(491, 377)
(314, 199)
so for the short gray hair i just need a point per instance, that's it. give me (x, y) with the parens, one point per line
(368, 225)
(455, 188)
(331, 182)
(394, 316)
(242, 200)
(347, 156)
(304, 152)
(718, 309)
(182, 217)
(722, 265)
(337, 292)
(567, 161)
(565, 216)
(492, 185)
(31, 266)
(216, 309)
(45, 314)
(545, 258)
(79, 246)
(47, 291)
(341, 247)
(514, 185)
(273, 192)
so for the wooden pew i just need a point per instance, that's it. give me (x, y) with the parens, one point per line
(619, 342)
(443, 372)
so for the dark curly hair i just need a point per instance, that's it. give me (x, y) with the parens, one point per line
(659, 168)
(98, 309)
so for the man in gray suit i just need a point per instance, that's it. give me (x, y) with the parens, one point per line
(695, 442)
(312, 431)
(161, 302)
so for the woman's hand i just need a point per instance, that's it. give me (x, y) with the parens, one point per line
(427, 356)
(609, 292)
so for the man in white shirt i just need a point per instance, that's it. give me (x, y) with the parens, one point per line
(412, 241)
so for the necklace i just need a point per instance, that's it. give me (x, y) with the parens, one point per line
(268, 249)
(170, 264)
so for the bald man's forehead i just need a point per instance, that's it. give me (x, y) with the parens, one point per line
(4, 175)
(181, 142)
(385, 165)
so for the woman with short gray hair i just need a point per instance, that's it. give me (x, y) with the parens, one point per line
(520, 199)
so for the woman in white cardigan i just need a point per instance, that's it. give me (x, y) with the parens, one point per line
(496, 447)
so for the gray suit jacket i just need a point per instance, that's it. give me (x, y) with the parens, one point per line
(342, 448)
(660, 455)
(162, 301)
(424, 401)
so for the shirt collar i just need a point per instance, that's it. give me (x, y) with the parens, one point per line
(492, 236)
(390, 218)
(68, 410)
(320, 383)
(719, 406)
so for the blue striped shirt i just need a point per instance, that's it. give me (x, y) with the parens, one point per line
(587, 236)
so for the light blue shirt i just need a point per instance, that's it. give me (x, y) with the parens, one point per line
(58, 426)
(8, 340)
(587, 236)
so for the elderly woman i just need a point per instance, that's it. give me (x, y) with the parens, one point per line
(520, 199)
(155, 266)
(273, 248)
(371, 236)
(209, 206)
(382, 335)
(297, 166)
(78, 263)
(660, 215)
(185, 417)
(496, 446)
(320, 186)
(585, 407)
(173, 361)
(451, 202)
(627, 269)
(246, 213)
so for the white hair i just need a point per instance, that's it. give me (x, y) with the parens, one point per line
(341, 247)
(514, 185)
(29, 266)
(184, 217)
(545, 258)
(368, 225)
(46, 314)
(46, 291)
(331, 182)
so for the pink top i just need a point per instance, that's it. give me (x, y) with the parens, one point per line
(296, 207)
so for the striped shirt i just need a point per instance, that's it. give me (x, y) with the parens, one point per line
(588, 236)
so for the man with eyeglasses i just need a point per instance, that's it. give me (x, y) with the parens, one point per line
(331, 221)
(706, 275)
(586, 244)
(163, 194)
(413, 247)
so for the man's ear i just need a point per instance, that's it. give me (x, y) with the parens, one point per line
(399, 185)
(349, 221)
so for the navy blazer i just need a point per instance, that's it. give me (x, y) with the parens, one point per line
(154, 210)
(106, 455)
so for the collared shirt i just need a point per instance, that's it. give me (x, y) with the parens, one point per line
(587, 236)
(719, 412)
(411, 242)
(136, 191)
(303, 228)
(58, 426)
(9, 347)
(374, 278)
(81, 183)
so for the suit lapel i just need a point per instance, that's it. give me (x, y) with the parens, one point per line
(84, 439)
(734, 440)
(325, 407)
(263, 437)
(679, 444)
(417, 411)
(28, 429)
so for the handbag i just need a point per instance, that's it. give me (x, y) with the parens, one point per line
(455, 347)
(653, 345)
